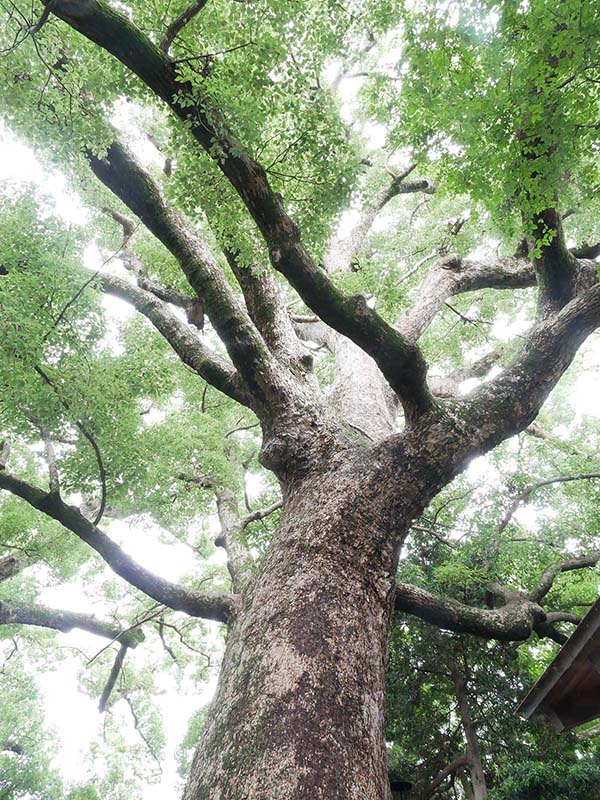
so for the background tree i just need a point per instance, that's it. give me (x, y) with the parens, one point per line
(330, 362)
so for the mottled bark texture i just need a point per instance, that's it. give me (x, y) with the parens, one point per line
(299, 711)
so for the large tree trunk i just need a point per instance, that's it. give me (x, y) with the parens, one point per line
(299, 711)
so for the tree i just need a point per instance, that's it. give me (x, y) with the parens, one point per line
(235, 258)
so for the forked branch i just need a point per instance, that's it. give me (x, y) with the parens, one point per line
(400, 361)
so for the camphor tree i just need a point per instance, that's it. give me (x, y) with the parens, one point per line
(348, 350)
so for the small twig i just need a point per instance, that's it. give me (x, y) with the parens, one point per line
(262, 513)
(136, 725)
(186, 643)
(244, 428)
(528, 491)
(205, 56)
(435, 535)
(161, 633)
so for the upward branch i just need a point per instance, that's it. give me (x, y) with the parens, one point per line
(119, 171)
(400, 361)
(184, 341)
(342, 252)
(509, 403)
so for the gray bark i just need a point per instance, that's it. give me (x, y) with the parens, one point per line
(475, 763)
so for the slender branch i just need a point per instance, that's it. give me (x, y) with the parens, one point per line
(475, 764)
(196, 604)
(529, 490)
(86, 433)
(342, 252)
(43, 18)
(239, 560)
(449, 385)
(179, 24)
(254, 516)
(535, 431)
(193, 306)
(112, 678)
(450, 769)
(569, 564)
(183, 340)
(13, 613)
(431, 532)
(53, 476)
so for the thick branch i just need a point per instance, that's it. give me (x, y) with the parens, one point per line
(123, 175)
(112, 678)
(590, 251)
(196, 604)
(453, 275)
(5, 452)
(509, 403)
(181, 337)
(449, 385)
(511, 622)
(562, 616)
(239, 560)
(10, 566)
(267, 308)
(450, 769)
(400, 361)
(193, 306)
(555, 267)
(12, 613)
(475, 763)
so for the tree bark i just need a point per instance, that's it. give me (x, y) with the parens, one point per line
(299, 711)
(475, 765)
